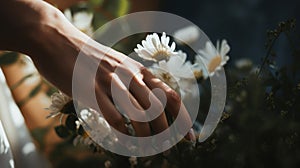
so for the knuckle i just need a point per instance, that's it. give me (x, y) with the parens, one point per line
(143, 69)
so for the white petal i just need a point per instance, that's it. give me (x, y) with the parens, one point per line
(68, 14)
(155, 40)
(187, 34)
(173, 46)
(82, 20)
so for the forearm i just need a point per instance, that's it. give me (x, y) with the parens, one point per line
(41, 31)
(24, 22)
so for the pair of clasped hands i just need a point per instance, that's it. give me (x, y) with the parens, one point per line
(36, 28)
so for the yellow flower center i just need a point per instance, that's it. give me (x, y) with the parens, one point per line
(166, 77)
(198, 74)
(161, 55)
(214, 63)
(85, 135)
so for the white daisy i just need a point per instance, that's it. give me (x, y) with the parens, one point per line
(95, 125)
(187, 34)
(176, 73)
(155, 49)
(213, 58)
(81, 20)
(58, 101)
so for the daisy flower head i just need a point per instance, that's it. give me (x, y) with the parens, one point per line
(156, 49)
(95, 125)
(81, 20)
(175, 72)
(187, 34)
(58, 101)
(212, 58)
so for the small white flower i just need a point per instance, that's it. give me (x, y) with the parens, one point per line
(58, 101)
(155, 48)
(243, 63)
(81, 20)
(213, 58)
(133, 161)
(98, 128)
(187, 34)
(176, 73)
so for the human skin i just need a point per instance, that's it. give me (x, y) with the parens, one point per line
(42, 32)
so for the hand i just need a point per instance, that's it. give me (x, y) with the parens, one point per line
(54, 45)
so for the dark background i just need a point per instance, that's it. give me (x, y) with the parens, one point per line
(242, 22)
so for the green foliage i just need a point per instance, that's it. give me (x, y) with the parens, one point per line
(8, 58)
(105, 10)
(95, 2)
(123, 7)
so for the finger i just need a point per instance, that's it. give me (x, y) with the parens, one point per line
(129, 105)
(174, 104)
(145, 97)
(155, 108)
(109, 112)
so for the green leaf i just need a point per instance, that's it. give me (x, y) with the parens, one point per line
(8, 58)
(96, 2)
(62, 131)
(70, 122)
(123, 7)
